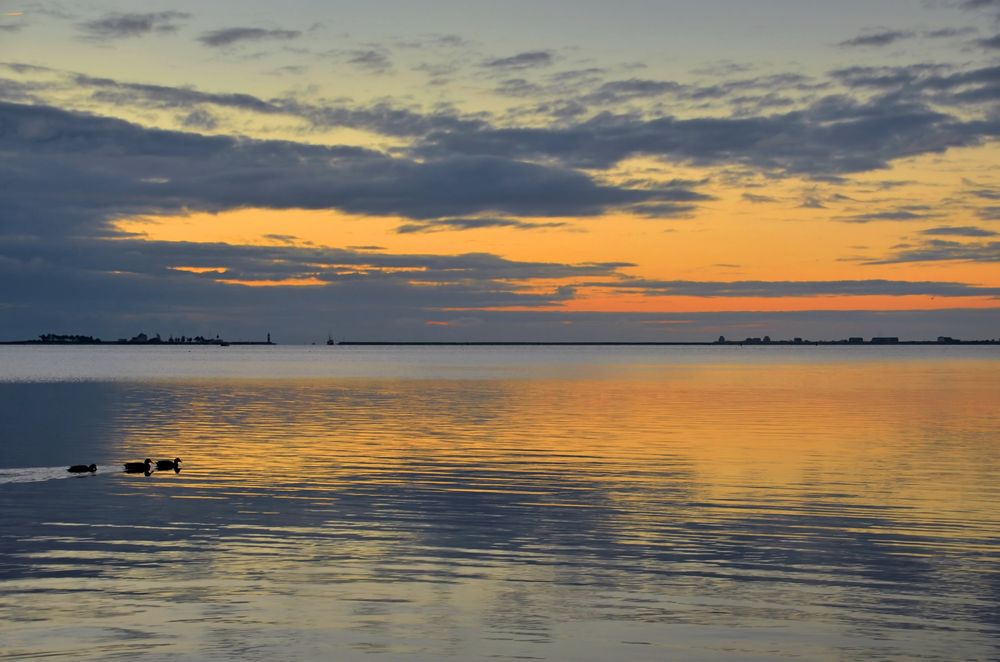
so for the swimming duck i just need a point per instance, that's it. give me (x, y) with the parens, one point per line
(138, 467)
(169, 464)
(82, 469)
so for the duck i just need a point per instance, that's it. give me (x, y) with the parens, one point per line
(138, 467)
(82, 469)
(169, 464)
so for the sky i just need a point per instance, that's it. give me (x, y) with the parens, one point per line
(548, 170)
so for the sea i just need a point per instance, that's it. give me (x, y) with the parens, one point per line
(501, 503)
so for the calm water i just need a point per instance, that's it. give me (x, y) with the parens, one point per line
(497, 503)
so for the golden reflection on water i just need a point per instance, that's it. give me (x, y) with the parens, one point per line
(868, 431)
(706, 511)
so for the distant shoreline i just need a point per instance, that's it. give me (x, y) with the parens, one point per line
(727, 343)
(405, 343)
(117, 343)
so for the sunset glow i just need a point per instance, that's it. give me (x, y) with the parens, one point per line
(844, 161)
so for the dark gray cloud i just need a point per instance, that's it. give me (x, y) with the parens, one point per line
(200, 119)
(618, 91)
(835, 135)
(990, 43)
(980, 4)
(986, 193)
(434, 41)
(959, 231)
(948, 33)
(770, 289)
(927, 83)
(758, 199)
(66, 170)
(526, 60)
(832, 136)
(110, 91)
(943, 250)
(888, 77)
(877, 39)
(723, 68)
(119, 26)
(20, 91)
(102, 284)
(991, 213)
(226, 37)
(913, 213)
(475, 223)
(591, 91)
(262, 263)
(116, 287)
(371, 60)
(11, 27)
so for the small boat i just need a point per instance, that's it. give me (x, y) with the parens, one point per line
(169, 464)
(138, 467)
(330, 340)
(82, 468)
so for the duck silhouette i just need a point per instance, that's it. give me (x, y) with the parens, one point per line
(82, 469)
(174, 464)
(138, 467)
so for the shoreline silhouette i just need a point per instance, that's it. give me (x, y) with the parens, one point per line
(187, 341)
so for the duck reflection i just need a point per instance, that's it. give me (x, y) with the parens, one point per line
(165, 465)
(144, 467)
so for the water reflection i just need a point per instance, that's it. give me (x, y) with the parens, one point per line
(693, 511)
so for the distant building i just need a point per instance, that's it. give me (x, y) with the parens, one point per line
(856, 340)
(947, 339)
(885, 340)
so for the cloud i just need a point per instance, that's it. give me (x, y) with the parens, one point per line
(758, 199)
(120, 26)
(877, 39)
(903, 214)
(226, 37)
(986, 193)
(96, 284)
(835, 135)
(634, 88)
(526, 60)
(772, 289)
(475, 223)
(333, 265)
(990, 43)
(67, 170)
(832, 136)
(380, 117)
(927, 83)
(372, 60)
(991, 213)
(200, 119)
(116, 287)
(948, 33)
(980, 4)
(959, 231)
(941, 250)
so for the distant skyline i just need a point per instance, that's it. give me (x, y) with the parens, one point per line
(546, 170)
